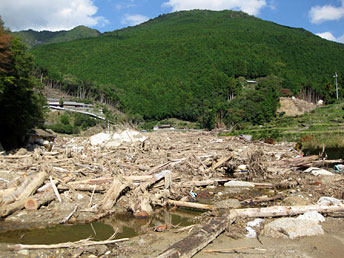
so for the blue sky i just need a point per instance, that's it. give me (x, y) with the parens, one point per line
(322, 17)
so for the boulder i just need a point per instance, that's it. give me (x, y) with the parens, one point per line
(228, 204)
(292, 228)
(295, 200)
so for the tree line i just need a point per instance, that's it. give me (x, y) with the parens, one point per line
(21, 98)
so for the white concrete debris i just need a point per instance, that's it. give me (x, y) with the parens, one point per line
(99, 138)
(116, 139)
(318, 171)
(251, 233)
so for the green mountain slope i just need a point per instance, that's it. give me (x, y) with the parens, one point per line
(188, 63)
(32, 38)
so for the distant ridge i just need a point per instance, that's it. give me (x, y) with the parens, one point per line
(32, 38)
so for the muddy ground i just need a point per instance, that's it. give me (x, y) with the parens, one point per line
(190, 157)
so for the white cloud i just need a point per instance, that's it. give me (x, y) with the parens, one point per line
(341, 39)
(249, 6)
(124, 5)
(50, 15)
(329, 36)
(133, 20)
(319, 14)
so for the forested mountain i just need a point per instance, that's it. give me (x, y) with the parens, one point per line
(191, 64)
(32, 38)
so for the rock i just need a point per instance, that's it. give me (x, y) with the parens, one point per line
(313, 216)
(228, 204)
(295, 200)
(245, 137)
(238, 184)
(101, 249)
(24, 252)
(292, 228)
(1, 148)
(329, 201)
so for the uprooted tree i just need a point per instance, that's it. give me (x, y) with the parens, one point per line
(21, 102)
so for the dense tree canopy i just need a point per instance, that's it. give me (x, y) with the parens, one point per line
(191, 65)
(20, 103)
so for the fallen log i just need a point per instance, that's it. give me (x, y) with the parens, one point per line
(279, 211)
(236, 250)
(41, 199)
(112, 194)
(97, 188)
(55, 189)
(263, 199)
(28, 187)
(102, 180)
(15, 156)
(196, 241)
(77, 244)
(220, 162)
(205, 182)
(199, 206)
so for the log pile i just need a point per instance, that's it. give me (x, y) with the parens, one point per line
(76, 179)
(135, 175)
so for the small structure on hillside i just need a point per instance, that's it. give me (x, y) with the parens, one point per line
(67, 104)
(163, 127)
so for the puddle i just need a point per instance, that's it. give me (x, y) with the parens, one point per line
(126, 225)
(58, 234)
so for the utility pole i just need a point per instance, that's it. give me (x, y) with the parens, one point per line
(336, 76)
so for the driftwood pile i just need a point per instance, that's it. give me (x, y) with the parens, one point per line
(162, 169)
(96, 181)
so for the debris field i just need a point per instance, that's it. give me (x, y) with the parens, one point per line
(83, 179)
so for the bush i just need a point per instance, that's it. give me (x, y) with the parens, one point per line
(64, 119)
(62, 128)
(84, 121)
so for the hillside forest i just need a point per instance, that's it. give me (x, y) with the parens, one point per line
(197, 66)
